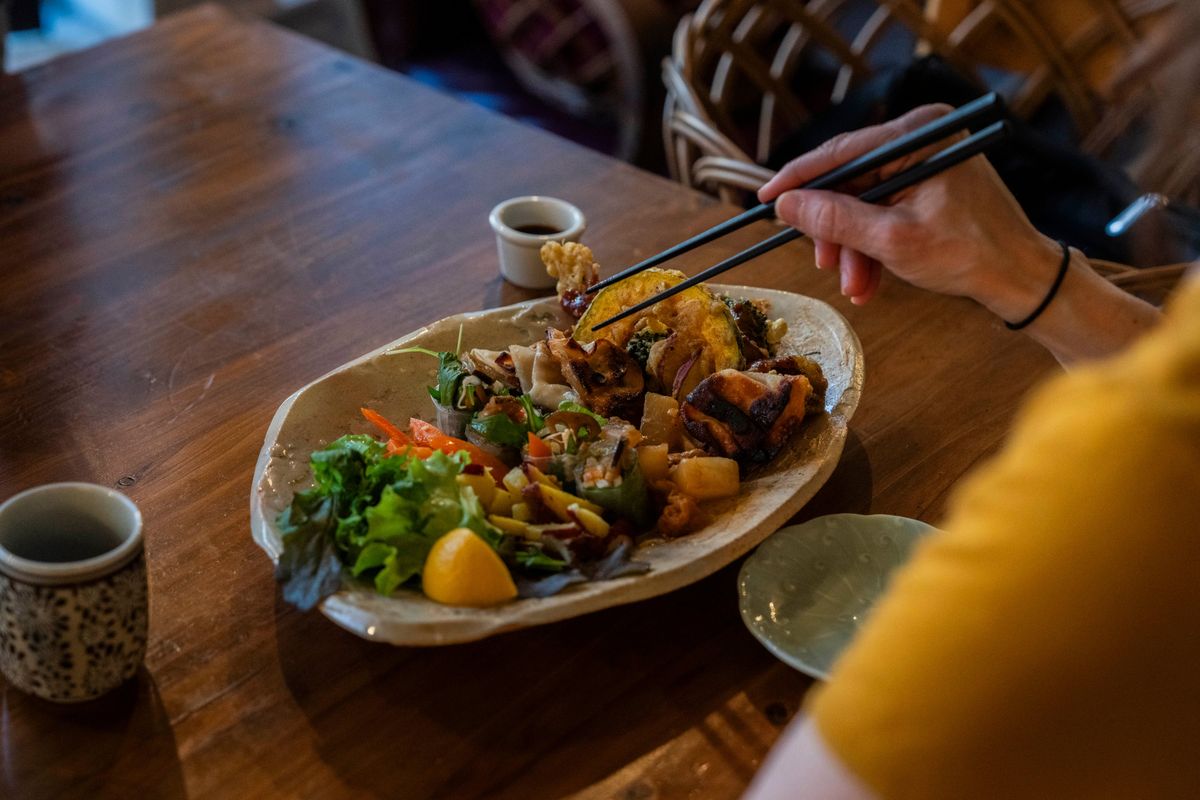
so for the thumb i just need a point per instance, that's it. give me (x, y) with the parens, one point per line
(838, 218)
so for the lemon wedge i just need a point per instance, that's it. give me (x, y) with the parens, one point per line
(462, 570)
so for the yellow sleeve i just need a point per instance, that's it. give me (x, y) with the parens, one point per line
(1047, 642)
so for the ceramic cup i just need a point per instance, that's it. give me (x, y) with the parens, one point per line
(522, 226)
(73, 606)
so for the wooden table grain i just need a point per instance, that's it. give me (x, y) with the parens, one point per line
(200, 218)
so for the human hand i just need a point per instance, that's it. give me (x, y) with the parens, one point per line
(957, 233)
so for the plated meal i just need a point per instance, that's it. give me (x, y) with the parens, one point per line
(551, 470)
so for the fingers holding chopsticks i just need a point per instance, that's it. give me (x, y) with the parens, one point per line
(822, 216)
(825, 219)
(862, 276)
(846, 147)
(832, 220)
(958, 232)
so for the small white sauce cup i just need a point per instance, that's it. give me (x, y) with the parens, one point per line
(520, 259)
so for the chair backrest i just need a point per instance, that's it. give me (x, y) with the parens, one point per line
(586, 57)
(744, 73)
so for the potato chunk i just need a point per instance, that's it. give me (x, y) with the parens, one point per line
(707, 477)
(652, 459)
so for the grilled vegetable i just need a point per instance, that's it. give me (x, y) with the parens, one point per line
(494, 365)
(674, 367)
(605, 377)
(748, 416)
(798, 365)
(695, 314)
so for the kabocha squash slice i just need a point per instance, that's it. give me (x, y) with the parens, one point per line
(696, 314)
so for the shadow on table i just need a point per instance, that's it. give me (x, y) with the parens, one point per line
(118, 746)
(849, 489)
(500, 292)
(547, 711)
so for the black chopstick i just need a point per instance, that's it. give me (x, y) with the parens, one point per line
(955, 154)
(965, 115)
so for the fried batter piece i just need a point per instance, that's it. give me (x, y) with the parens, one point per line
(748, 416)
(798, 365)
(576, 269)
(606, 378)
(681, 513)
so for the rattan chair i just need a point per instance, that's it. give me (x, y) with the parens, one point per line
(740, 76)
(594, 59)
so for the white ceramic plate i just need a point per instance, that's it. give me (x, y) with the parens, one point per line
(807, 590)
(395, 385)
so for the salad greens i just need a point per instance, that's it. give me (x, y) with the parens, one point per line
(502, 430)
(377, 513)
(567, 405)
(450, 375)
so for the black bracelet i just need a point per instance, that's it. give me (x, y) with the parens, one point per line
(1058, 279)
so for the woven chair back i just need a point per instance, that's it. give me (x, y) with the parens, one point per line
(745, 73)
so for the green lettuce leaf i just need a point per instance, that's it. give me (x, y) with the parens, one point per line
(567, 405)
(501, 429)
(308, 567)
(377, 514)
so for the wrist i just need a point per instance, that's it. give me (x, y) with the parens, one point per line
(1023, 284)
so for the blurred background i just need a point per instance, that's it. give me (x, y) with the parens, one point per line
(719, 93)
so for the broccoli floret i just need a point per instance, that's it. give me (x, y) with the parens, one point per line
(639, 344)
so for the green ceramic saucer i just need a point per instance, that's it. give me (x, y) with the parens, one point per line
(807, 589)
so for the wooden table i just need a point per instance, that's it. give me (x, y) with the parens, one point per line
(200, 218)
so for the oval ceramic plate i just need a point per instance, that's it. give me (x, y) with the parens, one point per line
(807, 590)
(395, 385)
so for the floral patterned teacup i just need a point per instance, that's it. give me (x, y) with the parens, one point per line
(73, 606)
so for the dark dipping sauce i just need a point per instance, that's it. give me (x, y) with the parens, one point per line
(537, 230)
